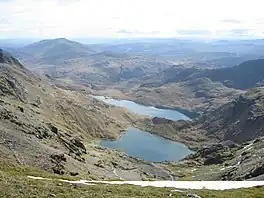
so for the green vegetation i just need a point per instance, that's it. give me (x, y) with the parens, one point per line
(7, 168)
(14, 183)
(196, 173)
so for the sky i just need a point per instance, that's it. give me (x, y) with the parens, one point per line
(206, 19)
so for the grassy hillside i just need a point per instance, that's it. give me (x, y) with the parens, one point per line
(14, 183)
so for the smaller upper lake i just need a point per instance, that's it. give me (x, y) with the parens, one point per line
(145, 110)
(147, 146)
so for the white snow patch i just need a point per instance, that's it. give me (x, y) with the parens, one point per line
(211, 185)
(248, 149)
(247, 146)
(38, 178)
(197, 185)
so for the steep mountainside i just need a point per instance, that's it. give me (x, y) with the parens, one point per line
(231, 138)
(56, 130)
(240, 120)
(244, 76)
(6, 58)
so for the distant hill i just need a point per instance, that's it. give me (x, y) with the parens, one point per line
(244, 76)
(53, 51)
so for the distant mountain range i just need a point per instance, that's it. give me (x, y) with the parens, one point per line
(62, 58)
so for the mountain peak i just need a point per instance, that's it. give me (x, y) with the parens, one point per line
(52, 51)
(62, 40)
(56, 40)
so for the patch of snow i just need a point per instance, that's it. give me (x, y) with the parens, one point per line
(196, 185)
(177, 190)
(248, 149)
(38, 178)
(211, 185)
(247, 146)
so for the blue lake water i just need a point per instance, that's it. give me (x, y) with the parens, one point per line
(145, 110)
(145, 145)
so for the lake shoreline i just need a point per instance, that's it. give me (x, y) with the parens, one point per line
(150, 110)
(146, 145)
(166, 115)
(192, 114)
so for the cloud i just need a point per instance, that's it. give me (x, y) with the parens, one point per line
(240, 31)
(193, 32)
(235, 21)
(134, 32)
(124, 31)
(243, 33)
(66, 2)
(117, 18)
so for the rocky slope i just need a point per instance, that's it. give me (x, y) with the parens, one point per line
(198, 95)
(239, 121)
(228, 140)
(223, 161)
(56, 130)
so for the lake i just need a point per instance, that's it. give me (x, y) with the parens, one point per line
(147, 146)
(137, 143)
(145, 110)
